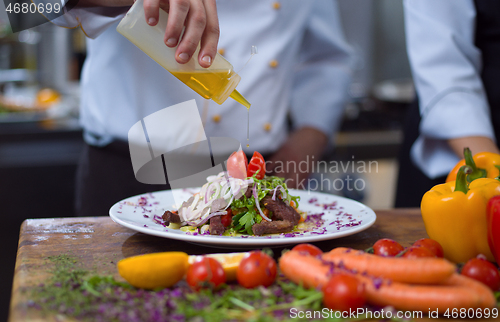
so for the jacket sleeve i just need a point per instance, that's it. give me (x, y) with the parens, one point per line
(92, 20)
(323, 74)
(446, 68)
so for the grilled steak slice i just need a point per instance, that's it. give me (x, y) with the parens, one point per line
(170, 217)
(216, 226)
(281, 211)
(249, 191)
(218, 204)
(272, 227)
(187, 203)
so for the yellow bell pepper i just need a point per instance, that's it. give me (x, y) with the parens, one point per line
(483, 164)
(454, 214)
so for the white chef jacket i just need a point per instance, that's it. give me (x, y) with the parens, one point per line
(446, 68)
(302, 67)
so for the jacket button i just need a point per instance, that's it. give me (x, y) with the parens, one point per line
(267, 127)
(216, 118)
(221, 51)
(276, 5)
(273, 63)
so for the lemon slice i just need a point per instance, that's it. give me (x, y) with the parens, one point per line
(155, 270)
(229, 262)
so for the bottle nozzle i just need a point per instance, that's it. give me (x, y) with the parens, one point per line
(235, 95)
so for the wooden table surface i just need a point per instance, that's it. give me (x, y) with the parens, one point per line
(99, 244)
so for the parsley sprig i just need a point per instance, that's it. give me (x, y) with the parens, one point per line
(246, 213)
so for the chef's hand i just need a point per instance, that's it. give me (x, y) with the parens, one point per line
(294, 159)
(198, 16)
(201, 22)
(475, 143)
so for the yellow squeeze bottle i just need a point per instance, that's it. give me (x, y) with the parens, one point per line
(218, 82)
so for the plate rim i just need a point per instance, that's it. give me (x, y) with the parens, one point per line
(253, 241)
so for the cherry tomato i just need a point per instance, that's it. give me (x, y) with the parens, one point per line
(237, 164)
(227, 218)
(418, 252)
(256, 269)
(482, 271)
(344, 292)
(387, 247)
(205, 271)
(257, 163)
(431, 245)
(308, 248)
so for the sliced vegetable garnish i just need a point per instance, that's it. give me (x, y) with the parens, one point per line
(213, 199)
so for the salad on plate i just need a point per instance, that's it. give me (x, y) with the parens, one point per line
(241, 200)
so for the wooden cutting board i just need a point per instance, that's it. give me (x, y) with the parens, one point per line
(98, 243)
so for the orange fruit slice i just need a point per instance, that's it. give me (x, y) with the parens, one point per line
(155, 270)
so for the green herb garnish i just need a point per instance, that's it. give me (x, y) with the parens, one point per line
(245, 210)
(72, 292)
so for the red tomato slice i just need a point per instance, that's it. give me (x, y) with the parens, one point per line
(257, 163)
(227, 218)
(237, 164)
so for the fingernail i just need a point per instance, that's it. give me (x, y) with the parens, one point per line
(171, 42)
(184, 56)
(151, 21)
(207, 59)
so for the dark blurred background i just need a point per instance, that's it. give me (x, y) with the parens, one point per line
(39, 149)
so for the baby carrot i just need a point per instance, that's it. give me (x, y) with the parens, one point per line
(455, 292)
(304, 269)
(398, 269)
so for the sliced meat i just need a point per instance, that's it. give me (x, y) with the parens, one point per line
(218, 204)
(216, 227)
(249, 191)
(184, 206)
(187, 203)
(272, 227)
(170, 217)
(281, 211)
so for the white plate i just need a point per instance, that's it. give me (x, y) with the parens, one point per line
(346, 218)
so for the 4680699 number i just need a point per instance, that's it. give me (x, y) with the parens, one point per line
(471, 313)
(33, 8)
